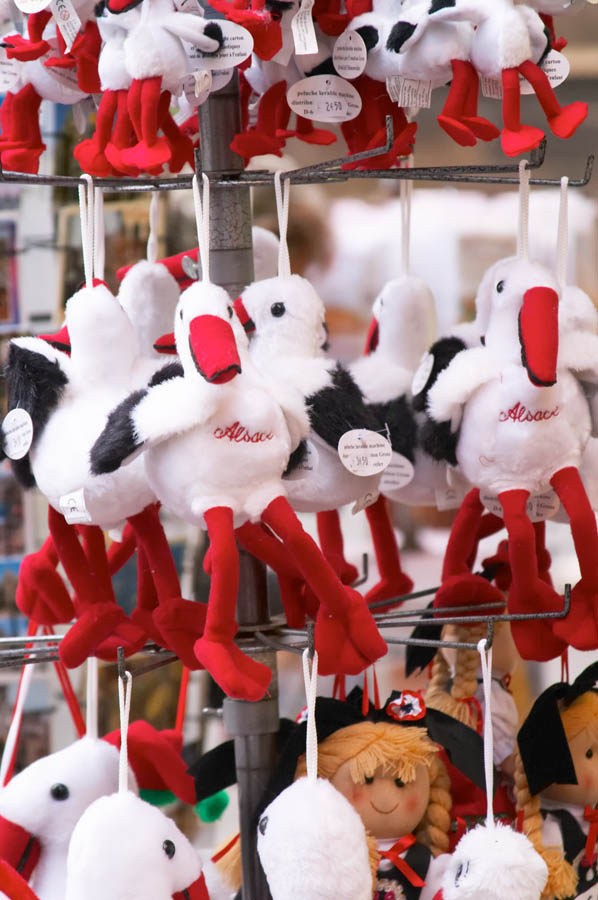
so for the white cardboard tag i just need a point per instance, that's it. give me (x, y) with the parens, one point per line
(80, 117)
(324, 98)
(17, 433)
(448, 497)
(69, 23)
(307, 466)
(556, 66)
(538, 507)
(349, 55)
(397, 474)
(304, 33)
(367, 500)
(73, 508)
(491, 87)
(409, 92)
(364, 452)
(237, 46)
(420, 379)
(9, 72)
(197, 87)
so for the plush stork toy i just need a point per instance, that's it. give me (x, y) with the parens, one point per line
(216, 446)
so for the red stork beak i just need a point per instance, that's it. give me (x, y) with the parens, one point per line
(18, 847)
(60, 339)
(195, 891)
(166, 344)
(214, 349)
(539, 335)
(371, 341)
(243, 316)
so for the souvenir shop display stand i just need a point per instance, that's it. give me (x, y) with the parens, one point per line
(254, 725)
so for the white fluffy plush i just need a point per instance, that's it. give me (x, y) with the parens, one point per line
(312, 845)
(149, 294)
(119, 850)
(494, 864)
(89, 770)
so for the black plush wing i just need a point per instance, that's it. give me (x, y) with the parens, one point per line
(118, 440)
(442, 353)
(36, 384)
(436, 438)
(338, 408)
(397, 420)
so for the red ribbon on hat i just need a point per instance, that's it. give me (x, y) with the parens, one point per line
(394, 855)
(590, 815)
(474, 707)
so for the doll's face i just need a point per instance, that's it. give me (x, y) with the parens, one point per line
(388, 808)
(584, 753)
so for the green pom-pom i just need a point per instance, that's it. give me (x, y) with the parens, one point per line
(157, 798)
(210, 809)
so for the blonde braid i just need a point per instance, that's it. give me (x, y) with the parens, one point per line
(465, 681)
(433, 830)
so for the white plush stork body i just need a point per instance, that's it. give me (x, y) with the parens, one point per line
(525, 424)
(216, 445)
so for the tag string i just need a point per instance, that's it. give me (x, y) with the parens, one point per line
(99, 245)
(406, 194)
(562, 247)
(152, 239)
(125, 689)
(311, 687)
(91, 710)
(283, 193)
(523, 231)
(202, 220)
(86, 205)
(486, 663)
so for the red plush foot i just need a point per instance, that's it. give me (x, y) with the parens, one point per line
(535, 639)
(239, 676)
(569, 119)
(41, 594)
(291, 595)
(127, 635)
(114, 156)
(93, 629)
(515, 142)
(181, 623)
(145, 156)
(336, 654)
(20, 48)
(501, 565)
(23, 160)
(457, 130)
(253, 143)
(320, 136)
(182, 152)
(468, 590)
(362, 631)
(482, 128)
(91, 159)
(388, 589)
(143, 619)
(580, 627)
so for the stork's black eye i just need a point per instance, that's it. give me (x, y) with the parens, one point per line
(60, 791)
(399, 782)
(369, 779)
(230, 312)
(278, 309)
(458, 874)
(500, 287)
(263, 824)
(169, 848)
(589, 753)
(181, 315)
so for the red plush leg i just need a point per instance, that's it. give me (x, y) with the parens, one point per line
(563, 120)
(262, 138)
(516, 138)
(41, 592)
(86, 51)
(90, 154)
(348, 637)
(580, 627)
(305, 131)
(13, 885)
(489, 525)
(542, 554)
(120, 552)
(151, 151)
(123, 134)
(332, 544)
(147, 600)
(528, 594)
(6, 118)
(22, 152)
(481, 127)
(238, 675)
(450, 119)
(181, 146)
(393, 581)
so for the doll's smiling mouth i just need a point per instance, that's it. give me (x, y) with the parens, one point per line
(383, 812)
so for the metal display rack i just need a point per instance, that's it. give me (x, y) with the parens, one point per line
(254, 726)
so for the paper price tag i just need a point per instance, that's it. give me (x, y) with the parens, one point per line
(304, 33)
(408, 92)
(538, 507)
(9, 72)
(349, 55)
(556, 66)
(73, 508)
(237, 46)
(397, 474)
(197, 87)
(307, 466)
(364, 452)
(491, 87)
(17, 433)
(324, 98)
(367, 500)
(420, 379)
(69, 23)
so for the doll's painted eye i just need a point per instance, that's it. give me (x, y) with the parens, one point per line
(399, 782)
(59, 791)
(263, 824)
(278, 310)
(169, 848)
(369, 779)
(500, 287)
(589, 753)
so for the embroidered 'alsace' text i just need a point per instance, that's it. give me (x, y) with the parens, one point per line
(239, 434)
(520, 413)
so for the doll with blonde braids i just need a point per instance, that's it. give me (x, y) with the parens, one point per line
(556, 784)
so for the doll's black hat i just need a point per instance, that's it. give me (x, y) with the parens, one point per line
(542, 740)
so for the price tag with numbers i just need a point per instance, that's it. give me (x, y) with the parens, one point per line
(364, 452)
(324, 98)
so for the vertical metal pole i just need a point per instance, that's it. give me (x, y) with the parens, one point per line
(253, 725)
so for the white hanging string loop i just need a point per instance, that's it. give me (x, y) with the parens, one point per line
(99, 244)
(523, 230)
(125, 688)
(91, 710)
(202, 220)
(311, 689)
(16, 721)
(283, 194)
(406, 195)
(86, 206)
(152, 240)
(562, 249)
(486, 662)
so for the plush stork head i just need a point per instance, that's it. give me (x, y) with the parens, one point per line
(209, 337)
(149, 294)
(101, 336)
(125, 849)
(577, 311)
(523, 325)
(403, 322)
(283, 315)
